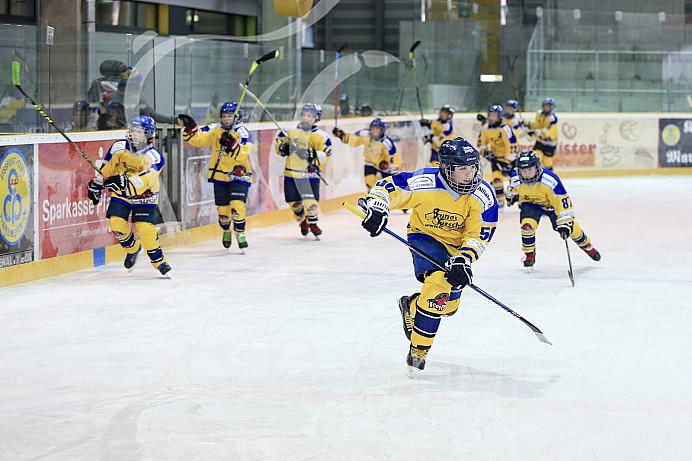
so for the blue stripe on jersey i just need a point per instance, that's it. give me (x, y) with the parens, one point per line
(449, 128)
(558, 189)
(472, 250)
(245, 135)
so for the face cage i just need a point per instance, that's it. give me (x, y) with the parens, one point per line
(533, 179)
(234, 120)
(462, 188)
(139, 145)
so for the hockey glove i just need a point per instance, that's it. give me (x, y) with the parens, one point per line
(284, 149)
(565, 225)
(311, 155)
(458, 271)
(377, 215)
(505, 168)
(481, 118)
(228, 141)
(187, 122)
(427, 139)
(489, 156)
(116, 183)
(94, 192)
(511, 198)
(425, 122)
(339, 133)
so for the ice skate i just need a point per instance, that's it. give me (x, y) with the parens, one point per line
(530, 260)
(405, 309)
(164, 268)
(316, 231)
(304, 227)
(227, 238)
(592, 252)
(242, 242)
(415, 360)
(131, 259)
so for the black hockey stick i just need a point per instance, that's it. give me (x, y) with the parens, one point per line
(15, 80)
(569, 259)
(266, 111)
(415, 81)
(336, 83)
(255, 65)
(539, 334)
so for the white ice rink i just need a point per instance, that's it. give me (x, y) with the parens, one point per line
(296, 351)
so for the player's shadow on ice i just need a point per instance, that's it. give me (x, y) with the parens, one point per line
(446, 376)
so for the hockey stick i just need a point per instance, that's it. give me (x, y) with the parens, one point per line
(539, 334)
(16, 83)
(336, 84)
(569, 259)
(415, 81)
(255, 65)
(266, 111)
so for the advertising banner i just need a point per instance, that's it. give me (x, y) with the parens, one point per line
(675, 143)
(68, 221)
(16, 199)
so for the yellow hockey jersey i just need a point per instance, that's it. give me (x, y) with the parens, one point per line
(500, 140)
(465, 224)
(299, 168)
(441, 132)
(548, 193)
(374, 152)
(142, 169)
(546, 128)
(232, 166)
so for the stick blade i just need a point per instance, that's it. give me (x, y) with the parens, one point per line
(342, 47)
(15, 73)
(267, 57)
(541, 337)
(571, 276)
(415, 45)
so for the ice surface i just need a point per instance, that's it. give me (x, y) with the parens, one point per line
(296, 350)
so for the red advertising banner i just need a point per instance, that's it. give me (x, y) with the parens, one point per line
(68, 221)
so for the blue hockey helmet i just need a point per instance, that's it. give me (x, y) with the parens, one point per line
(513, 103)
(524, 162)
(459, 153)
(148, 127)
(381, 124)
(230, 108)
(549, 102)
(313, 109)
(496, 109)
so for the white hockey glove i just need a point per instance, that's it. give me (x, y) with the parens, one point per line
(565, 226)
(377, 215)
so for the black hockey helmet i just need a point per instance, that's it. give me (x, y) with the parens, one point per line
(458, 152)
(525, 161)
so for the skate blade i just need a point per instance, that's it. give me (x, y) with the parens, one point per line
(411, 372)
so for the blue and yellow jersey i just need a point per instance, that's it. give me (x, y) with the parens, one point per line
(232, 166)
(374, 152)
(142, 169)
(394, 156)
(299, 168)
(548, 194)
(546, 128)
(515, 122)
(500, 140)
(465, 224)
(441, 132)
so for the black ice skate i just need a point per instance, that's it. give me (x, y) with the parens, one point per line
(405, 309)
(415, 360)
(164, 268)
(131, 259)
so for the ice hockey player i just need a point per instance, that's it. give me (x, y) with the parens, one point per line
(498, 144)
(306, 153)
(81, 113)
(345, 107)
(442, 130)
(512, 117)
(545, 126)
(540, 192)
(229, 166)
(131, 173)
(453, 218)
(377, 151)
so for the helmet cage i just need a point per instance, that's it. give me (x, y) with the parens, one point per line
(456, 153)
(525, 161)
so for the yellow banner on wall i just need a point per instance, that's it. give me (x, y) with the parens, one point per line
(292, 8)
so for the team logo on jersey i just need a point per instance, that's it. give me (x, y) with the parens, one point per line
(439, 302)
(670, 135)
(239, 173)
(442, 218)
(15, 196)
